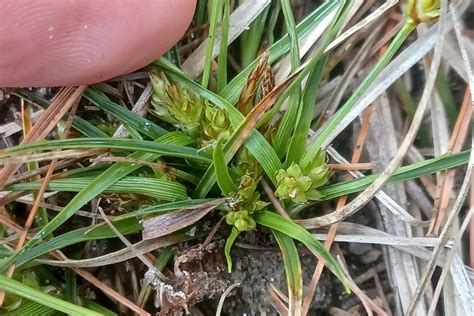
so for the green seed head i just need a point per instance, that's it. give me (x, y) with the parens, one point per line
(215, 124)
(301, 185)
(422, 11)
(292, 184)
(246, 163)
(248, 203)
(176, 105)
(241, 220)
(248, 195)
(318, 171)
(160, 99)
(189, 112)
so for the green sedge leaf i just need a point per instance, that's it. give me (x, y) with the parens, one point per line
(251, 39)
(298, 142)
(289, 120)
(160, 189)
(93, 305)
(295, 231)
(31, 308)
(300, 122)
(222, 59)
(216, 9)
(404, 173)
(111, 143)
(90, 191)
(224, 180)
(18, 288)
(336, 120)
(294, 275)
(228, 246)
(134, 120)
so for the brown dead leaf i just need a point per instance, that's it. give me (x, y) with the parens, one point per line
(173, 221)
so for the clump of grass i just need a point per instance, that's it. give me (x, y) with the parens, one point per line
(211, 145)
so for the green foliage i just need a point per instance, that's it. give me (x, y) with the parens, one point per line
(36, 295)
(28, 278)
(159, 189)
(176, 105)
(190, 113)
(224, 180)
(420, 11)
(202, 134)
(293, 271)
(295, 231)
(248, 202)
(222, 60)
(301, 185)
(228, 246)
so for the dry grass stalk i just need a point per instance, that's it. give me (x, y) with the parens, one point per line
(359, 145)
(39, 196)
(444, 191)
(64, 100)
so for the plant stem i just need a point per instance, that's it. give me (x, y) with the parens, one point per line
(216, 4)
(222, 60)
(289, 120)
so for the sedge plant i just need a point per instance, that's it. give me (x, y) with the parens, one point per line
(202, 142)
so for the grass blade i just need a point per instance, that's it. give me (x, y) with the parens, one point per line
(346, 108)
(160, 189)
(222, 59)
(294, 275)
(31, 308)
(17, 288)
(288, 122)
(225, 182)
(405, 173)
(228, 246)
(298, 142)
(216, 6)
(295, 231)
(305, 114)
(126, 224)
(93, 189)
(250, 40)
(135, 121)
(242, 16)
(111, 143)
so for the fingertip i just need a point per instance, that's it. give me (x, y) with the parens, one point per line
(77, 42)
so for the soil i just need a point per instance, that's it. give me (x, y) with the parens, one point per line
(257, 265)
